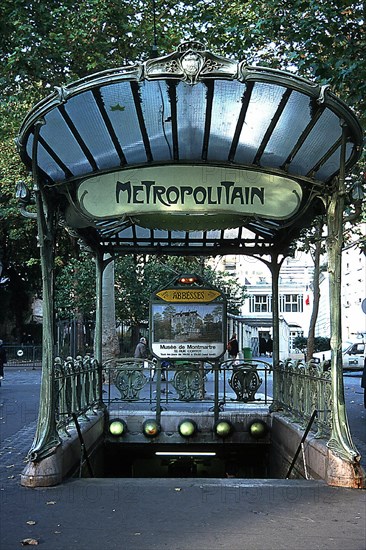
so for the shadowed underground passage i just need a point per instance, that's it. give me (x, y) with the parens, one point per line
(139, 461)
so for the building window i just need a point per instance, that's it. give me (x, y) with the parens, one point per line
(291, 303)
(260, 303)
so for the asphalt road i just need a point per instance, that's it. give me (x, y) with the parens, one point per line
(179, 514)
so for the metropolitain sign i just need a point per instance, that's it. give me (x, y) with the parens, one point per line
(182, 190)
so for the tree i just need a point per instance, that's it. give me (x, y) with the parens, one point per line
(320, 344)
(133, 289)
(46, 44)
(318, 39)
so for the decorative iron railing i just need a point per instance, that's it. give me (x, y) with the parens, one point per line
(27, 354)
(77, 385)
(197, 383)
(304, 388)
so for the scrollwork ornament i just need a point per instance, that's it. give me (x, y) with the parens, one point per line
(191, 63)
(341, 451)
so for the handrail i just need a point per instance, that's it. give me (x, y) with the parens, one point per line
(308, 428)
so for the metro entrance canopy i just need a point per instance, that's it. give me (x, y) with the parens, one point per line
(190, 153)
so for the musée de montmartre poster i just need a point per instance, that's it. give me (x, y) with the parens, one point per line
(190, 330)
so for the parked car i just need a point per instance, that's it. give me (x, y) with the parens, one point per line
(353, 355)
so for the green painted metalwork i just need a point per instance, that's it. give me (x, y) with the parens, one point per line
(215, 384)
(304, 388)
(46, 438)
(77, 389)
(130, 380)
(314, 158)
(188, 381)
(245, 381)
(340, 440)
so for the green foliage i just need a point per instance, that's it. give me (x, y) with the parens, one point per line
(46, 44)
(75, 288)
(320, 343)
(317, 39)
(136, 278)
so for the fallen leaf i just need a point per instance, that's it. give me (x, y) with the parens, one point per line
(29, 542)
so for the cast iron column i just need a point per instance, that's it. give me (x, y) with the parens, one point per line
(340, 440)
(46, 438)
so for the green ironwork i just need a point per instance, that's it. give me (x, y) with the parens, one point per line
(245, 381)
(340, 440)
(46, 437)
(188, 381)
(77, 389)
(130, 380)
(303, 388)
(213, 383)
(317, 157)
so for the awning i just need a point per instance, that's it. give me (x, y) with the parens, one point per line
(190, 153)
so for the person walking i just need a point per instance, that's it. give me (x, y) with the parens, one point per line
(141, 349)
(233, 347)
(3, 359)
(363, 381)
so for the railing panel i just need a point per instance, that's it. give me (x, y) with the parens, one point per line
(199, 384)
(26, 354)
(76, 389)
(304, 388)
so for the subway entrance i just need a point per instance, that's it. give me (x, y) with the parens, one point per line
(194, 461)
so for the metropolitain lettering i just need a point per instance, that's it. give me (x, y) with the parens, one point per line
(149, 192)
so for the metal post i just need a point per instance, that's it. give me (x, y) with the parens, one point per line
(275, 271)
(340, 440)
(46, 438)
(158, 391)
(216, 390)
(99, 267)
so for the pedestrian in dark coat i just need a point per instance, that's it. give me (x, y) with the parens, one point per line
(363, 382)
(3, 359)
(233, 347)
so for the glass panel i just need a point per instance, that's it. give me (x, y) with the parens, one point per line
(333, 163)
(142, 232)
(160, 234)
(126, 233)
(231, 233)
(263, 104)
(157, 116)
(86, 116)
(46, 162)
(191, 111)
(324, 134)
(120, 107)
(213, 235)
(60, 138)
(293, 121)
(226, 107)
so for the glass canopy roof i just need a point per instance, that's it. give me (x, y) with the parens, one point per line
(190, 108)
